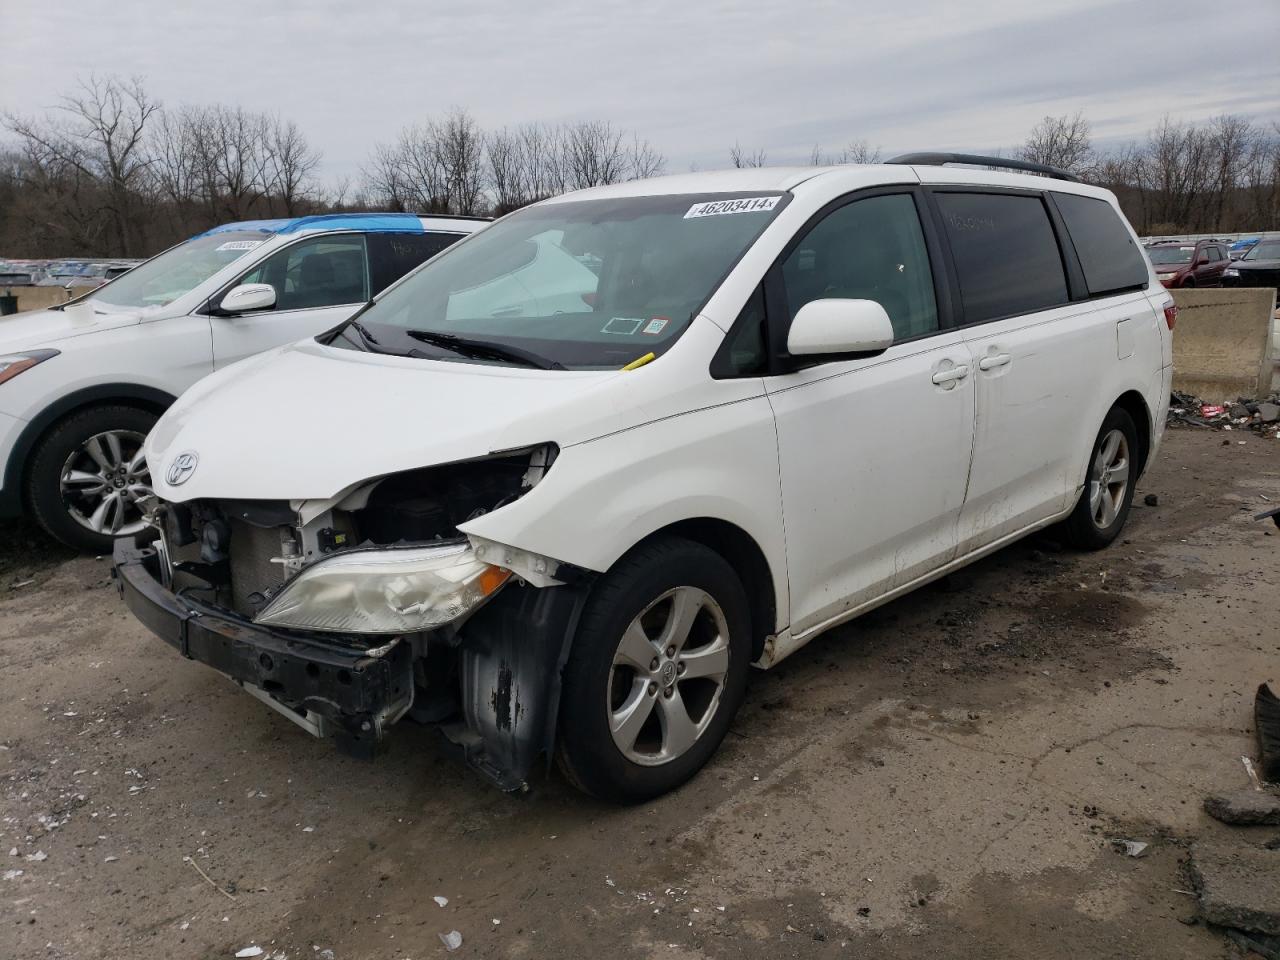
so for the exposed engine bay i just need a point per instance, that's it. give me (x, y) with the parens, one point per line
(476, 633)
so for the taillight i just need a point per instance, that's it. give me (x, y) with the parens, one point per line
(1171, 315)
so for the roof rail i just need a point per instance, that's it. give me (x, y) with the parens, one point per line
(939, 159)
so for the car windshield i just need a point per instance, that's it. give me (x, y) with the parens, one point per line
(1266, 250)
(584, 284)
(177, 271)
(1160, 255)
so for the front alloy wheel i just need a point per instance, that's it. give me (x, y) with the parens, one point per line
(87, 475)
(102, 481)
(668, 675)
(657, 670)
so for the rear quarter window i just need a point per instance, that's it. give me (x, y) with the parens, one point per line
(1006, 254)
(392, 255)
(1111, 261)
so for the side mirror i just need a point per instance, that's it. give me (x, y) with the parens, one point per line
(247, 297)
(840, 327)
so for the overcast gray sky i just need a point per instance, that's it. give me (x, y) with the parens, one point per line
(691, 76)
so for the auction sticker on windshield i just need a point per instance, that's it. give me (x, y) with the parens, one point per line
(717, 208)
(240, 244)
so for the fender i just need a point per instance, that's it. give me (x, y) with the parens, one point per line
(11, 493)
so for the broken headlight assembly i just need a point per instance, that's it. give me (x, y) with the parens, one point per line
(385, 591)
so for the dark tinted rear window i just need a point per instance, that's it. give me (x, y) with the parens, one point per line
(1108, 255)
(1005, 252)
(392, 255)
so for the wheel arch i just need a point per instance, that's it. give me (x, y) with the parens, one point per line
(1133, 403)
(126, 394)
(740, 550)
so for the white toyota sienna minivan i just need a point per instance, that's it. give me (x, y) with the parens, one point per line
(557, 489)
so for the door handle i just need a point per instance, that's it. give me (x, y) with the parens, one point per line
(993, 361)
(958, 372)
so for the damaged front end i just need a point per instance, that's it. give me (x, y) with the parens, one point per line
(349, 614)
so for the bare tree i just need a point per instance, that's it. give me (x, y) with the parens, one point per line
(96, 136)
(740, 158)
(459, 150)
(856, 151)
(1064, 142)
(290, 164)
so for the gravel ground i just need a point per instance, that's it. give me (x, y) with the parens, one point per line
(940, 778)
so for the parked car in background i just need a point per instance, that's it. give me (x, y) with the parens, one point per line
(558, 488)
(1181, 265)
(1260, 267)
(82, 383)
(1241, 247)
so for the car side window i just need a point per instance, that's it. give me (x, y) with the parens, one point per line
(392, 255)
(320, 272)
(1006, 254)
(1111, 261)
(870, 249)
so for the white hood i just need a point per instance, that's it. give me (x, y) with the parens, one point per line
(39, 328)
(306, 421)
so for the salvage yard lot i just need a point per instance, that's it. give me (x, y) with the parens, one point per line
(941, 777)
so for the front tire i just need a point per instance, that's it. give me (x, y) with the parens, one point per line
(657, 671)
(87, 476)
(1103, 507)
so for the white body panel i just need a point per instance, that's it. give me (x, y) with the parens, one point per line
(857, 479)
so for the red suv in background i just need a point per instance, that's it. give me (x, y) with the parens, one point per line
(1189, 264)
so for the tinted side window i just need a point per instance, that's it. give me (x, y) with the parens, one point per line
(321, 272)
(1110, 259)
(870, 249)
(392, 255)
(1006, 255)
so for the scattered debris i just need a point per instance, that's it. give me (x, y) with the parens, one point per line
(1151, 500)
(12, 874)
(1238, 886)
(441, 901)
(253, 951)
(1132, 848)
(24, 583)
(209, 880)
(1188, 410)
(37, 856)
(1244, 807)
(451, 940)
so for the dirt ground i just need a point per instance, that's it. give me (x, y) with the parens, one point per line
(940, 778)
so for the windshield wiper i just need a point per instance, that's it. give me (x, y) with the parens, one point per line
(485, 349)
(363, 331)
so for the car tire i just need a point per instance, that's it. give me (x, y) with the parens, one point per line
(1189, 283)
(1103, 507)
(623, 732)
(99, 442)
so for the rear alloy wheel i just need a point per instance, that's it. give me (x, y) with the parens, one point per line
(88, 476)
(1103, 508)
(657, 671)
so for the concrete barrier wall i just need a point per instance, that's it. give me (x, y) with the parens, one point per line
(1222, 343)
(39, 298)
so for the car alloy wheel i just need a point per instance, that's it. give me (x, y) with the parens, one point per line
(1109, 479)
(102, 481)
(668, 675)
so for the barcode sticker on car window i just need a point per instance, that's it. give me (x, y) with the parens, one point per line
(717, 208)
(240, 244)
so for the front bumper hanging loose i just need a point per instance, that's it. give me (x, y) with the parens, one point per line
(327, 688)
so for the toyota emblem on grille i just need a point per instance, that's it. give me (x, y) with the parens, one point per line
(181, 467)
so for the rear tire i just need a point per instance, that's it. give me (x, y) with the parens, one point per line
(86, 459)
(1103, 507)
(636, 720)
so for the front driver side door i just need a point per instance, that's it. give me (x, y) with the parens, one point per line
(874, 452)
(319, 282)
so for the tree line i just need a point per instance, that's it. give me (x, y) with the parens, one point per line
(110, 171)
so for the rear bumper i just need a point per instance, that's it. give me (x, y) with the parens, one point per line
(325, 687)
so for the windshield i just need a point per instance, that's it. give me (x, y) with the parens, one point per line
(1266, 250)
(585, 284)
(1160, 255)
(178, 271)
